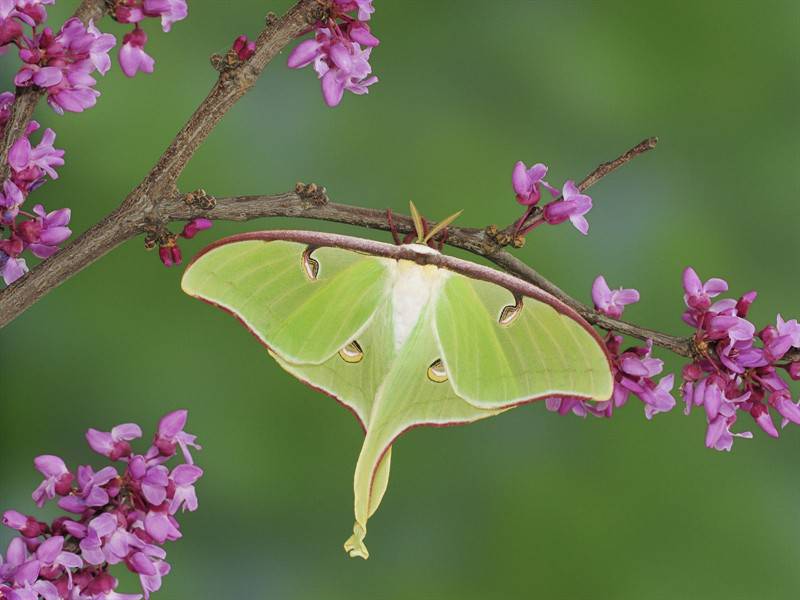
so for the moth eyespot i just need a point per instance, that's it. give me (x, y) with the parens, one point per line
(436, 372)
(509, 313)
(310, 266)
(352, 353)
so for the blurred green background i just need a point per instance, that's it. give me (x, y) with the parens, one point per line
(526, 505)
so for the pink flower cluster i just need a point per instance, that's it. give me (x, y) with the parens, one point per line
(634, 368)
(63, 63)
(132, 55)
(39, 232)
(570, 204)
(340, 51)
(119, 518)
(738, 370)
(15, 14)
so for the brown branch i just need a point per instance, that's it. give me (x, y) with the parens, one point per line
(291, 204)
(136, 216)
(609, 167)
(28, 98)
(140, 210)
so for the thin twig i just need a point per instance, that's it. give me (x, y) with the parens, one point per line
(609, 167)
(508, 235)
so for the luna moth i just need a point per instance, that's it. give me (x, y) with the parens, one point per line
(402, 335)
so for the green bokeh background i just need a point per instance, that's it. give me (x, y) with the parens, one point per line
(526, 505)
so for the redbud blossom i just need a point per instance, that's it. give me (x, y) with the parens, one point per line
(738, 372)
(528, 183)
(364, 7)
(612, 302)
(573, 206)
(337, 54)
(132, 57)
(122, 518)
(634, 369)
(62, 64)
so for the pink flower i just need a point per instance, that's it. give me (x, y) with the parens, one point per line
(345, 68)
(150, 572)
(114, 444)
(364, 7)
(161, 527)
(33, 11)
(58, 479)
(719, 435)
(44, 234)
(170, 11)
(101, 45)
(93, 490)
(612, 303)
(184, 477)
(12, 268)
(362, 34)
(528, 183)
(340, 62)
(698, 294)
(10, 26)
(132, 57)
(658, 399)
(573, 207)
(30, 164)
(789, 411)
(75, 93)
(566, 405)
(760, 414)
(11, 199)
(27, 526)
(171, 434)
(51, 555)
(791, 329)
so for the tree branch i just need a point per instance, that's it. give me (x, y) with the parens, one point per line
(140, 209)
(476, 241)
(28, 98)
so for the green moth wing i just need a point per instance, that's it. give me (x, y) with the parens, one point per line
(402, 335)
(268, 286)
(503, 349)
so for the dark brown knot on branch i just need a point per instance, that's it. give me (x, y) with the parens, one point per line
(200, 199)
(312, 192)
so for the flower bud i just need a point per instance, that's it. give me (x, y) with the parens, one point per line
(244, 48)
(760, 413)
(170, 255)
(193, 227)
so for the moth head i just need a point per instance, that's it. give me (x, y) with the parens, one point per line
(424, 236)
